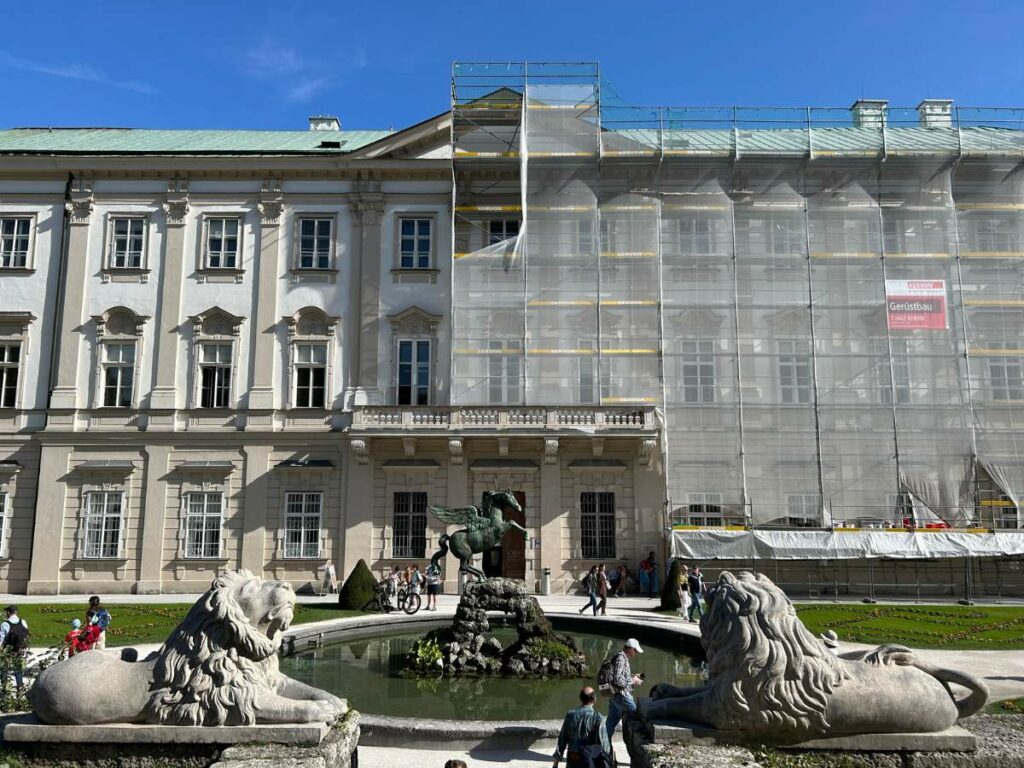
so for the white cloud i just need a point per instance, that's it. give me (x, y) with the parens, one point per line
(296, 77)
(75, 71)
(306, 89)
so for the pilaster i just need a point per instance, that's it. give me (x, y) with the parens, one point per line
(47, 538)
(271, 204)
(79, 215)
(168, 338)
(359, 501)
(369, 211)
(649, 502)
(457, 495)
(550, 515)
(257, 482)
(154, 508)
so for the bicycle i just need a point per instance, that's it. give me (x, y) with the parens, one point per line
(381, 600)
(409, 601)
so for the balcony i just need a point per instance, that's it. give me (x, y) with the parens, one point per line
(517, 419)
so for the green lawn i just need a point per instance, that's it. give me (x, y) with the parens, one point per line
(136, 623)
(955, 627)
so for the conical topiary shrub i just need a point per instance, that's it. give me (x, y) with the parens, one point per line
(670, 589)
(357, 591)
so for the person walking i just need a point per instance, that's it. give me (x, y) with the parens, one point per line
(14, 645)
(602, 590)
(590, 585)
(683, 586)
(433, 586)
(100, 616)
(695, 581)
(583, 738)
(649, 575)
(622, 682)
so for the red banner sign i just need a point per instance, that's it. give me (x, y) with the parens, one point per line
(913, 305)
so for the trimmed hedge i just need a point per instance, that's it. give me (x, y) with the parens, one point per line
(357, 591)
(670, 589)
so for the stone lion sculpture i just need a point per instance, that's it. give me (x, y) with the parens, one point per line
(771, 680)
(218, 667)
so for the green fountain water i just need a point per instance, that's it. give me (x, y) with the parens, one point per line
(368, 673)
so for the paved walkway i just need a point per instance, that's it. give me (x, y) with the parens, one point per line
(538, 755)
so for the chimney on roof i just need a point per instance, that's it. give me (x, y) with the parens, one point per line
(936, 113)
(324, 123)
(869, 113)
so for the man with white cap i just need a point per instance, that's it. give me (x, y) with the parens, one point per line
(622, 682)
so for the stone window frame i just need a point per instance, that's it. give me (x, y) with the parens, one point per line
(599, 555)
(401, 274)
(203, 266)
(108, 246)
(598, 479)
(214, 326)
(33, 227)
(14, 328)
(206, 488)
(81, 540)
(414, 324)
(8, 486)
(311, 325)
(110, 331)
(299, 217)
(282, 534)
(407, 479)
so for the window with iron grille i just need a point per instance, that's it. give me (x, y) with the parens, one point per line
(103, 524)
(222, 243)
(118, 374)
(413, 372)
(699, 371)
(310, 375)
(204, 522)
(414, 245)
(316, 243)
(501, 229)
(127, 241)
(15, 239)
(503, 372)
(794, 372)
(597, 524)
(302, 523)
(704, 509)
(409, 524)
(215, 376)
(10, 358)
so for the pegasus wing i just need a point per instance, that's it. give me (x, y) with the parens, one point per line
(455, 515)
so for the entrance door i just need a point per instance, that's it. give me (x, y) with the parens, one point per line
(508, 559)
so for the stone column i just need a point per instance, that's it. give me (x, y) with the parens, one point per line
(369, 211)
(154, 509)
(168, 337)
(261, 393)
(359, 501)
(44, 571)
(551, 516)
(649, 492)
(254, 525)
(79, 208)
(457, 495)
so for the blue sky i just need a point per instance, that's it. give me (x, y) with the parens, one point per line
(267, 65)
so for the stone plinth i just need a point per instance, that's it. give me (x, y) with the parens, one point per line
(30, 731)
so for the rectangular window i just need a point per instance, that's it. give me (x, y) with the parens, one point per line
(409, 526)
(503, 372)
(704, 509)
(215, 376)
(310, 375)
(413, 372)
(501, 229)
(803, 509)
(204, 518)
(15, 236)
(794, 372)
(103, 524)
(695, 236)
(699, 371)
(591, 369)
(414, 236)
(118, 374)
(10, 360)
(316, 244)
(894, 376)
(127, 240)
(1006, 375)
(302, 524)
(597, 525)
(998, 234)
(222, 243)
(585, 237)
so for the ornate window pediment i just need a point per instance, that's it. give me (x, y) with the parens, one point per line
(216, 322)
(415, 322)
(119, 321)
(15, 323)
(311, 321)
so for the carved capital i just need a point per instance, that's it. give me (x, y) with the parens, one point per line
(368, 212)
(176, 210)
(455, 451)
(503, 446)
(551, 450)
(270, 209)
(361, 450)
(80, 209)
(647, 449)
(409, 446)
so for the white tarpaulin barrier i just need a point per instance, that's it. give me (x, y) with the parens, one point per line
(828, 545)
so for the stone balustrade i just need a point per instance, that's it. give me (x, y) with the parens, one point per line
(514, 418)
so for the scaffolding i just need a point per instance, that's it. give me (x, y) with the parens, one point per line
(827, 304)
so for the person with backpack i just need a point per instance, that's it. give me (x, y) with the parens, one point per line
(695, 582)
(616, 677)
(98, 615)
(590, 585)
(584, 735)
(433, 586)
(14, 644)
(602, 590)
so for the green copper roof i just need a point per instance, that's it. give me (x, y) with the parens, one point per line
(139, 141)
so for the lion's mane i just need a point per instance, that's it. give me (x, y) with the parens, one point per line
(210, 669)
(767, 671)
